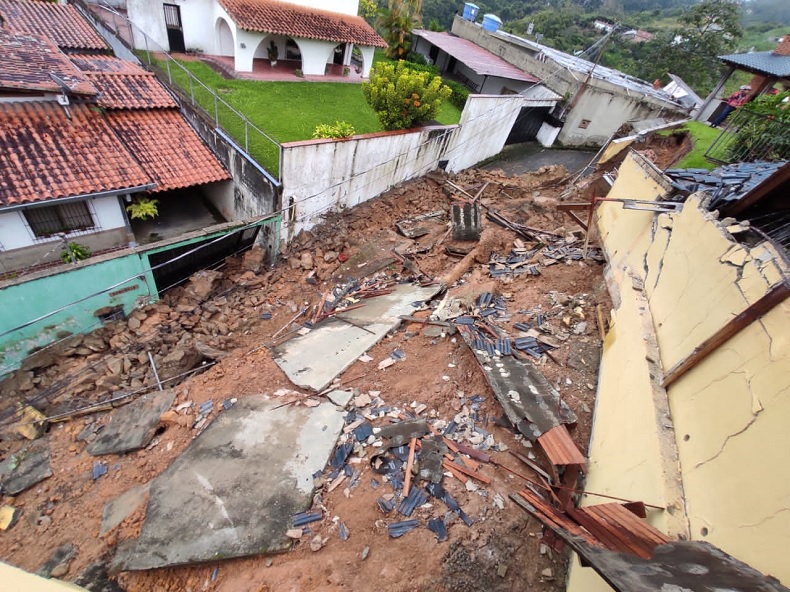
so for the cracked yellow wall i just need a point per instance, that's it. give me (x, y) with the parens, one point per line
(731, 411)
(730, 415)
(15, 579)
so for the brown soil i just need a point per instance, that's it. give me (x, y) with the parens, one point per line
(501, 551)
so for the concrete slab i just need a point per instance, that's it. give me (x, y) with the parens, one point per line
(340, 398)
(133, 426)
(25, 469)
(233, 491)
(313, 361)
(119, 509)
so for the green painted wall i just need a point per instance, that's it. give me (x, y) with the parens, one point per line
(80, 292)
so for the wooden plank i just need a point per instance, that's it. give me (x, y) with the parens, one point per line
(532, 465)
(409, 465)
(613, 538)
(466, 471)
(457, 474)
(775, 296)
(560, 447)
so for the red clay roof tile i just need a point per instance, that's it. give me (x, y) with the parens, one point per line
(45, 155)
(28, 61)
(122, 84)
(283, 18)
(62, 23)
(167, 147)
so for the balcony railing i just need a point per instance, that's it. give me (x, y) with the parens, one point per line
(751, 136)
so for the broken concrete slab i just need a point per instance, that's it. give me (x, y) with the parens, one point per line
(340, 398)
(133, 426)
(25, 469)
(119, 509)
(313, 361)
(233, 492)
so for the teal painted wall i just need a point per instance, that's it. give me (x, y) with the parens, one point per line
(80, 292)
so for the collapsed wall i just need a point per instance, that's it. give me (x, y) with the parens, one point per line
(702, 447)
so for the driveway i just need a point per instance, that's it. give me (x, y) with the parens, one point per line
(518, 159)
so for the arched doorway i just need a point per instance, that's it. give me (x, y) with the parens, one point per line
(226, 46)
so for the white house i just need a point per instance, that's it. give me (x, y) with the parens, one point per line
(311, 35)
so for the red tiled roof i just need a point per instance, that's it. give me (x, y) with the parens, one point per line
(283, 18)
(167, 148)
(62, 23)
(479, 60)
(44, 155)
(28, 60)
(122, 84)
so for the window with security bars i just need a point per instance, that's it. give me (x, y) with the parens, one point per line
(65, 218)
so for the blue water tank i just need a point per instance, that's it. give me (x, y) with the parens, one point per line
(491, 22)
(470, 11)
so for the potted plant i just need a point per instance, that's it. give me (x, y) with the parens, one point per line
(273, 53)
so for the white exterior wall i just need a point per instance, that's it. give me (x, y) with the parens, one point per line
(16, 234)
(323, 175)
(13, 231)
(148, 16)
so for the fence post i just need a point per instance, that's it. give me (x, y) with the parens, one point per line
(216, 111)
(191, 90)
(147, 51)
(246, 135)
(169, 75)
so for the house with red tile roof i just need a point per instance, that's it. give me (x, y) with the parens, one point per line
(310, 35)
(82, 135)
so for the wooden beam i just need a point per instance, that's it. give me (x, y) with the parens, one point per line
(775, 296)
(409, 465)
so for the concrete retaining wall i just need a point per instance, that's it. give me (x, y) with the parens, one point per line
(322, 175)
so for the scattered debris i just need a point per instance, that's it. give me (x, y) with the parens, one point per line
(8, 516)
(26, 468)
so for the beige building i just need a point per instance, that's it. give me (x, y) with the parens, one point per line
(710, 445)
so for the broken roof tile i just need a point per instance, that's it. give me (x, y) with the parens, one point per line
(62, 23)
(45, 155)
(28, 62)
(122, 84)
(167, 148)
(283, 18)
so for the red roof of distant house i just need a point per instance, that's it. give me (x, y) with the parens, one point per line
(167, 148)
(480, 60)
(62, 23)
(122, 84)
(45, 155)
(283, 18)
(28, 60)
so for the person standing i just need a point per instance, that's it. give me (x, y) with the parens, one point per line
(737, 99)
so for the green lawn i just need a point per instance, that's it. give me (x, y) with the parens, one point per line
(702, 136)
(286, 111)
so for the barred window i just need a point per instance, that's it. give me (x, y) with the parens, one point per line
(68, 217)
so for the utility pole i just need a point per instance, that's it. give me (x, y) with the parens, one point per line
(583, 87)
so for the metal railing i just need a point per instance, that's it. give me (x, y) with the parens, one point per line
(256, 143)
(751, 136)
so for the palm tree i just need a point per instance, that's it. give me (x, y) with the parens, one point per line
(397, 22)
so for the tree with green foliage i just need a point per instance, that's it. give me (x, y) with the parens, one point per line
(690, 50)
(396, 22)
(402, 97)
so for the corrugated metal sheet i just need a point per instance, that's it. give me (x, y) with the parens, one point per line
(766, 62)
(480, 60)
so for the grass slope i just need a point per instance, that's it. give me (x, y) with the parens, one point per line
(285, 111)
(702, 137)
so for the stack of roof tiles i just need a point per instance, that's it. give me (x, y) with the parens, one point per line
(121, 130)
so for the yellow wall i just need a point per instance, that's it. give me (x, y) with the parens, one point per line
(13, 578)
(729, 415)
